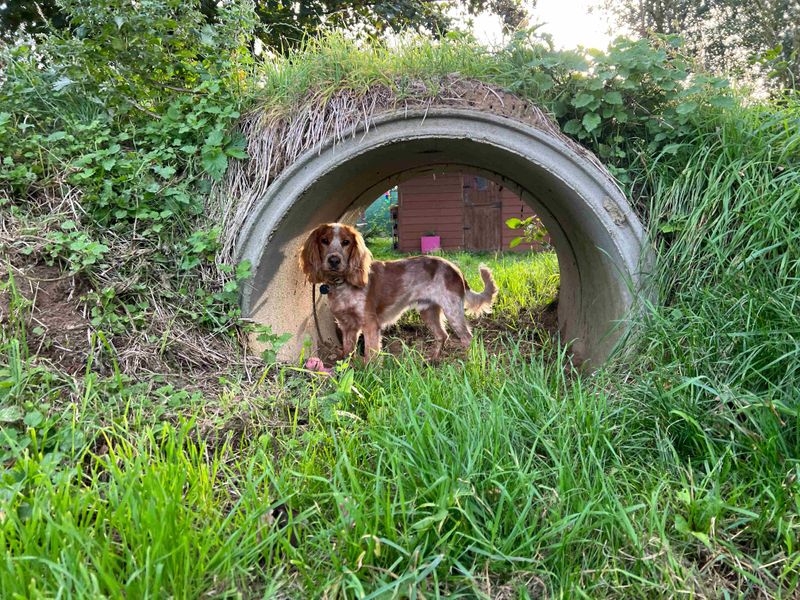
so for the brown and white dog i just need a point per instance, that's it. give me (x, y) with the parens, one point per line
(366, 295)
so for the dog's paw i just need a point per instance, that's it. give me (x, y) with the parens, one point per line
(434, 358)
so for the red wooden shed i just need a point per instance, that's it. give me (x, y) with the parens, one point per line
(466, 211)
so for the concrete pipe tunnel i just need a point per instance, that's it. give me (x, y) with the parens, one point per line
(599, 241)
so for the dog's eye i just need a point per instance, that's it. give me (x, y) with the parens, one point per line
(345, 242)
(325, 242)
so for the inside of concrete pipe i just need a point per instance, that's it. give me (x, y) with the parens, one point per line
(597, 237)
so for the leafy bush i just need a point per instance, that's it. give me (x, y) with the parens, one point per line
(643, 96)
(116, 129)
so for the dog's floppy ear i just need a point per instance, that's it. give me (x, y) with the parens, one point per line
(310, 262)
(360, 260)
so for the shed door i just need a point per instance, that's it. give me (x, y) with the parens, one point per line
(482, 214)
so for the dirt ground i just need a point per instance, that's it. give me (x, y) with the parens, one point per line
(57, 326)
(47, 303)
(530, 330)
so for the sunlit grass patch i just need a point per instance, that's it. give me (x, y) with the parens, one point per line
(396, 478)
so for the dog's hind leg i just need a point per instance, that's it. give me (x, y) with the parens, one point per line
(454, 311)
(432, 316)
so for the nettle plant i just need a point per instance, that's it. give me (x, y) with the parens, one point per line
(641, 95)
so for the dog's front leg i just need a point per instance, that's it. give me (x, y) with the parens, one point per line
(349, 339)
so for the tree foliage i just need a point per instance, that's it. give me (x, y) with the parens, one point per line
(284, 25)
(749, 38)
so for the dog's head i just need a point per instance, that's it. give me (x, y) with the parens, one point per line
(336, 251)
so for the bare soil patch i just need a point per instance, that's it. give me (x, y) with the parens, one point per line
(530, 330)
(47, 304)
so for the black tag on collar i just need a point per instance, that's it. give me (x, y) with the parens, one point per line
(324, 289)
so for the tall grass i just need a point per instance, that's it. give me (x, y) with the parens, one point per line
(729, 262)
(719, 365)
(477, 480)
(449, 481)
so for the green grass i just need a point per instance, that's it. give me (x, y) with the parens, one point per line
(330, 64)
(448, 481)
(407, 479)
(527, 281)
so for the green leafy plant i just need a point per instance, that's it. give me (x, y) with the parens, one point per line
(272, 342)
(533, 232)
(640, 93)
(132, 115)
(201, 247)
(74, 247)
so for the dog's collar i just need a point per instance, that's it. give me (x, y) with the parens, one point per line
(325, 288)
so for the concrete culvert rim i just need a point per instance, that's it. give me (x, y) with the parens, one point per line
(599, 240)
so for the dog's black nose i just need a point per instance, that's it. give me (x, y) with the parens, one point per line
(334, 261)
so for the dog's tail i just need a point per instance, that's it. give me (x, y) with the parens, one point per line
(478, 303)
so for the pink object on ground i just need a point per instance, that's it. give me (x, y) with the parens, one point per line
(315, 364)
(429, 243)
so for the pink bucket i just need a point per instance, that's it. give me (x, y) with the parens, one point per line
(429, 243)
